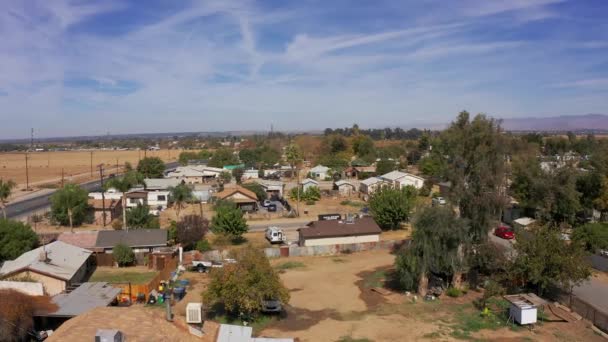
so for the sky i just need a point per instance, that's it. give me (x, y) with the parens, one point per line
(128, 66)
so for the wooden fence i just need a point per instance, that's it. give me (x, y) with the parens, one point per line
(130, 290)
(598, 317)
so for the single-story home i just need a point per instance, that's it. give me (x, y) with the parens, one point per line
(307, 183)
(154, 184)
(56, 266)
(400, 179)
(339, 232)
(368, 186)
(111, 207)
(158, 199)
(345, 188)
(319, 172)
(137, 197)
(273, 188)
(251, 174)
(245, 199)
(359, 171)
(195, 174)
(140, 240)
(85, 297)
(110, 194)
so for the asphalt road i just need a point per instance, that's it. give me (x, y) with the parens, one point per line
(28, 206)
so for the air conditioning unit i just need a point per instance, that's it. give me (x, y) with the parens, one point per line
(194, 313)
(108, 335)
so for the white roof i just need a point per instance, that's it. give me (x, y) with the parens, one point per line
(234, 333)
(524, 221)
(270, 183)
(394, 175)
(194, 171)
(252, 171)
(371, 181)
(63, 260)
(308, 180)
(161, 183)
(343, 182)
(319, 168)
(29, 288)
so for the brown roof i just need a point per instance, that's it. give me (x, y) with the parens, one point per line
(366, 168)
(229, 192)
(137, 194)
(84, 239)
(338, 228)
(98, 204)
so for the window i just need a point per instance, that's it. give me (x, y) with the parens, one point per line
(161, 198)
(132, 200)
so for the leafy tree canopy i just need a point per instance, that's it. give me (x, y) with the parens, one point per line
(390, 207)
(191, 229)
(223, 157)
(593, 236)
(140, 217)
(151, 167)
(123, 254)
(16, 238)
(228, 220)
(69, 205)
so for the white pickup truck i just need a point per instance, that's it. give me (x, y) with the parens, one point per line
(205, 266)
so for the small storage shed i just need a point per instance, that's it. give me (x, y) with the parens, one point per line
(522, 309)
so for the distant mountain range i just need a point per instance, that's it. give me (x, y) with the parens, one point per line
(587, 122)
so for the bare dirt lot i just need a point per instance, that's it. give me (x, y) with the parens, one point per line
(332, 298)
(46, 167)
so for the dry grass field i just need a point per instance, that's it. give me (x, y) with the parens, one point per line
(46, 167)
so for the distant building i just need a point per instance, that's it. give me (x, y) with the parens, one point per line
(307, 183)
(153, 184)
(140, 240)
(319, 172)
(273, 188)
(195, 174)
(245, 199)
(370, 185)
(400, 179)
(111, 207)
(345, 188)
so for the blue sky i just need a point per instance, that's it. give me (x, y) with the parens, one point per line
(91, 67)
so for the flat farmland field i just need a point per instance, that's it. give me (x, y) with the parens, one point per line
(46, 167)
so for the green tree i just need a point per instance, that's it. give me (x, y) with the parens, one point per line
(242, 287)
(544, 259)
(123, 254)
(6, 187)
(225, 176)
(223, 157)
(190, 230)
(16, 238)
(363, 146)
(437, 247)
(69, 205)
(228, 220)
(390, 207)
(250, 157)
(140, 217)
(593, 236)
(124, 184)
(238, 173)
(385, 166)
(311, 194)
(293, 155)
(151, 167)
(259, 191)
(180, 195)
(184, 157)
(474, 154)
(432, 165)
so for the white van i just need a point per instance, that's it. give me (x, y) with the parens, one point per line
(275, 235)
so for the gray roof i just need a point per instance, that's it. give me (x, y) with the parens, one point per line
(63, 260)
(343, 182)
(371, 181)
(161, 183)
(394, 175)
(308, 180)
(132, 238)
(319, 168)
(84, 298)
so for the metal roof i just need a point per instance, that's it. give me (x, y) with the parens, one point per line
(371, 181)
(62, 260)
(394, 175)
(132, 238)
(84, 298)
(234, 333)
(319, 168)
(161, 183)
(308, 180)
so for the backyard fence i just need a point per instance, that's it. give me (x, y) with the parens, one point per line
(285, 251)
(107, 259)
(598, 317)
(132, 290)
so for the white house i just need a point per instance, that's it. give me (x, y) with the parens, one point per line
(251, 174)
(273, 188)
(307, 183)
(370, 185)
(345, 188)
(111, 194)
(319, 172)
(158, 199)
(400, 179)
(195, 174)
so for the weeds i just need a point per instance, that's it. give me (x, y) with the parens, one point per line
(289, 265)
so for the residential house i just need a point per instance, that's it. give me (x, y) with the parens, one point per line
(307, 183)
(251, 174)
(56, 266)
(158, 200)
(111, 207)
(140, 240)
(137, 197)
(195, 174)
(319, 172)
(400, 179)
(368, 186)
(245, 199)
(345, 188)
(360, 172)
(110, 194)
(202, 192)
(84, 239)
(274, 189)
(339, 232)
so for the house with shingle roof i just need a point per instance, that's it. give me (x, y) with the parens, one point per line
(245, 199)
(338, 232)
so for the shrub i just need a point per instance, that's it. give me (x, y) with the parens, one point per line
(116, 224)
(203, 246)
(16, 238)
(123, 254)
(453, 292)
(190, 230)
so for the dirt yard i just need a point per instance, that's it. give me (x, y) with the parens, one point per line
(46, 167)
(332, 298)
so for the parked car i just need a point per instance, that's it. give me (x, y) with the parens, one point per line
(205, 266)
(266, 203)
(271, 306)
(275, 235)
(439, 201)
(272, 208)
(504, 232)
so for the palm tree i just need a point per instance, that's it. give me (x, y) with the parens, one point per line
(294, 158)
(6, 187)
(180, 195)
(124, 184)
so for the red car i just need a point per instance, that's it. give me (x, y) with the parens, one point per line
(504, 232)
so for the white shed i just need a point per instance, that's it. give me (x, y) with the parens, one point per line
(522, 310)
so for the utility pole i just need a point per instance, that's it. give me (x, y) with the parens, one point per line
(62, 178)
(116, 165)
(91, 163)
(27, 173)
(32, 140)
(103, 196)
